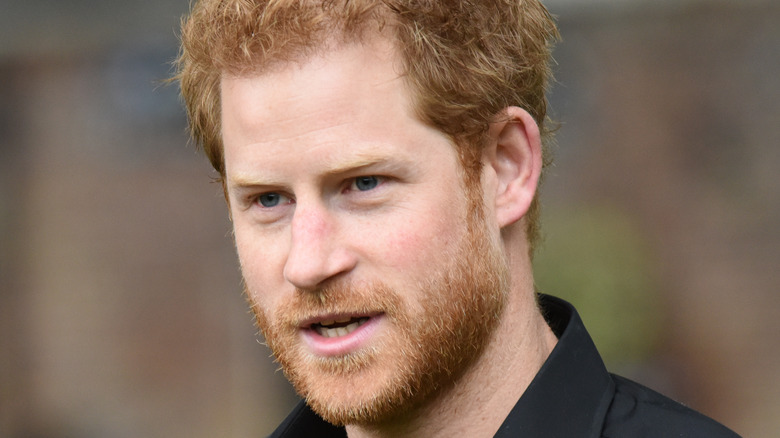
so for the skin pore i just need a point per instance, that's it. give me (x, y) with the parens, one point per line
(350, 212)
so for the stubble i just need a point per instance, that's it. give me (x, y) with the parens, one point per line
(430, 345)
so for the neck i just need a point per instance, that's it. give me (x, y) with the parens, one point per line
(477, 404)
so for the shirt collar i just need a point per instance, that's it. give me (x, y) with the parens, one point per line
(572, 391)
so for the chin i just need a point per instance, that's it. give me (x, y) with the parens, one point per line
(371, 395)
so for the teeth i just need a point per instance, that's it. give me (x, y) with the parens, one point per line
(338, 331)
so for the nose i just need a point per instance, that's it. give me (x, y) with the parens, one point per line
(318, 251)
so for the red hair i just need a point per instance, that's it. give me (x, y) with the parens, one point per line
(465, 60)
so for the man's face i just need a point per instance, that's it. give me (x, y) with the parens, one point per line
(373, 281)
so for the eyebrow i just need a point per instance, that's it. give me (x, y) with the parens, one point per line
(362, 161)
(353, 164)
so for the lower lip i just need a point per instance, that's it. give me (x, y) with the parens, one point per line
(341, 345)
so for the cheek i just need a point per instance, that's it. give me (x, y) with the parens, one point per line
(261, 267)
(415, 242)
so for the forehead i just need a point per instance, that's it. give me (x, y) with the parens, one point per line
(350, 95)
(348, 78)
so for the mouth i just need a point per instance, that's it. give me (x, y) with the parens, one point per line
(337, 327)
(337, 335)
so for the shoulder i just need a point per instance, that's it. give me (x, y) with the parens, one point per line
(637, 411)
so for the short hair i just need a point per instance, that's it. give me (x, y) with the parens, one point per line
(465, 61)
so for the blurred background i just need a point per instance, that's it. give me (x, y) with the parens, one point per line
(121, 312)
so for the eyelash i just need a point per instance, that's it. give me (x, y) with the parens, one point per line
(351, 186)
(280, 197)
(375, 179)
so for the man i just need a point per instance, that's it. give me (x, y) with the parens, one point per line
(380, 161)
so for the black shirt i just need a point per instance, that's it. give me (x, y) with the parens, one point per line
(572, 395)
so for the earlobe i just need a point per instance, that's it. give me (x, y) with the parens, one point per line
(515, 156)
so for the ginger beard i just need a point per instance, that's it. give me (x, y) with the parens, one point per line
(429, 342)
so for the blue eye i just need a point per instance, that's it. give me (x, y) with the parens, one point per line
(269, 199)
(364, 183)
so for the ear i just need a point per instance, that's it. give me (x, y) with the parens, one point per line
(514, 156)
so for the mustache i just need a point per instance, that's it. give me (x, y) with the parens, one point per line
(339, 298)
